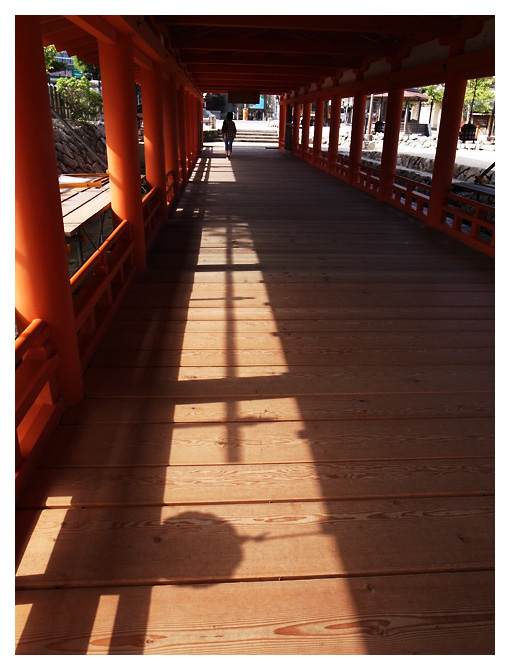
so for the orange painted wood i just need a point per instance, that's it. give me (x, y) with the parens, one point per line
(398, 614)
(215, 543)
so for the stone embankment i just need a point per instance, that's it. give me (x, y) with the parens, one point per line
(72, 155)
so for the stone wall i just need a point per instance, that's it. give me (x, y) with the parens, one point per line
(72, 156)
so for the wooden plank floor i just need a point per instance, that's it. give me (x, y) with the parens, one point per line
(286, 445)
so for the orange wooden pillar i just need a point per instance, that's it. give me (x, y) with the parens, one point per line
(305, 130)
(181, 108)
(296, 120)
(389, 155)
(200, 116)
(42, 272)
(283, 123)
(357, 132)
(189, 138)
(317, 130)
(121, 129)
(334, 131)
(171, 131)
(446, 150)
(153, 130)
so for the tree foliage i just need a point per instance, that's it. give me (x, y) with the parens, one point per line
(86, 68)
(51, 59)
(480, 96)
(435, 92)
(82, 102)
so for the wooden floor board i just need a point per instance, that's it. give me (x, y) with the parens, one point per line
(174, 484)
(216, 442)
(380, 615)
(212, 543)
(287, 440)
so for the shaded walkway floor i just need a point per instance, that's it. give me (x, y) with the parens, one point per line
(287, 441)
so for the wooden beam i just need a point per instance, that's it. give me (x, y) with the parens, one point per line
(285, 46)
(97, 26)
(391, 25)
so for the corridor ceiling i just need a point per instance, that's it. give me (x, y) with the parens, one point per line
(269, 54)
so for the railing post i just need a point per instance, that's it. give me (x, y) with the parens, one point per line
(357, 132)
(42, 272)
(446, 150)
(390, 144)
(121, 129)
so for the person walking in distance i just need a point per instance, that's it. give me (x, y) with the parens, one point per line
(228, 132)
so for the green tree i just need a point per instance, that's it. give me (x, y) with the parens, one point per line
(86, 68)
(435, 93)
(480, 96)
(83, 103)
(51, 59)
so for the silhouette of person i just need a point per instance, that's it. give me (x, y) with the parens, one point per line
(228, 132)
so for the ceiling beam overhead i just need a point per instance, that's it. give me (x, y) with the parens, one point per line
(389, 25)
(281, 54)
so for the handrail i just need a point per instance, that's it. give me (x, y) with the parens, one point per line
(99, 285)
(151, 205)
(38, 402)
(475, 228)
(27, 338)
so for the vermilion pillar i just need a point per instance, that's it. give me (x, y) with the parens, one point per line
(296, 119)
(444, 163)
(357, 131)
(121, 129)
(181, 107)
(42, 272)
(171, 130)
(305, 131)
(317, 130)
(334, 130)
(283, 122)
(389, 155)
(153, 130)
(189, 136)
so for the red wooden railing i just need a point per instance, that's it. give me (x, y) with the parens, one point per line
(470, 222)
(99, 285)
(410, 196)
(151, 205)
(467, 220)
(39, 405)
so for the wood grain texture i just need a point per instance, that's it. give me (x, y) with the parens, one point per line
(214, 442)
(287, 440)
(382, 615)
(215, 543)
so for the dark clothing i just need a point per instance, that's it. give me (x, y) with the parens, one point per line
(228, 130)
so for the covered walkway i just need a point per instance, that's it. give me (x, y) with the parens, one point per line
(286, 444)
